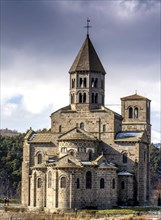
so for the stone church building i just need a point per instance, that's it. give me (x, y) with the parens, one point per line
(91, 157)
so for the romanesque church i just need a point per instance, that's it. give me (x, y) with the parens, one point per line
(91, 157)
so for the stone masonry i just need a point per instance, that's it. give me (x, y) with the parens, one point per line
(91, 157)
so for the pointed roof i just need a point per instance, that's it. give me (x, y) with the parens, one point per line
(87, 59)
(134, 97)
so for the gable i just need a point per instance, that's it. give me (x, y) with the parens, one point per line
(77, 134)
(68, 161)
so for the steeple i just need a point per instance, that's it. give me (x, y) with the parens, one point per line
(87, 59)
(87, 79)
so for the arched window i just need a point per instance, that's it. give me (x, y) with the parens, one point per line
(85, 82)
(73, 83)
(96, 98)
(113, 184)
(59, 128)
(49, 179)
(78, 183)
(88, 180)
(72, 98)
(136, 112)
(130, 112)
(84, 97)
(39, 158)
(63, 182)
(71, 153)
(102, 183)
(82, 125)
(124, 157)
(81, 82)
(92, 97)
(122, 185)
(90, 155)
(39, 183)
(96, 83)
(80, 97)
(104, 128)
(92, 82)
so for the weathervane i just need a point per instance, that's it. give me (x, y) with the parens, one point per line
(88, 26)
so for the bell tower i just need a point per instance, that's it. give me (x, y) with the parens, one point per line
(135, 110)
(87, 79)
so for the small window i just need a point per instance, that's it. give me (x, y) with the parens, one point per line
(92, 97)
(82, 125)
(59, 128)
(96, 83)
(122, 185)
(104, 128)
(73, 83)
(90, 155)
(81, 82)
(39, 158)
(63, 182)
(80, 97)
(78, 183)
(92, 82)
(88, 180)
(39, 183)
(136, 112)
(85, 82)
(84, 97)
(71, 153)
(96, 98)
(124, 157)
(113, 184)
(102, 183)
(130, 112)
(72, 98)
(49, 179)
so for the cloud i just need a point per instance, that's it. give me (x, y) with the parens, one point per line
(156, 137)
(41, 40)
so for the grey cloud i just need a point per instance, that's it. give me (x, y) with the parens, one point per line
(48, 34)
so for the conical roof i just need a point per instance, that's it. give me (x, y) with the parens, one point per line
(87, 59)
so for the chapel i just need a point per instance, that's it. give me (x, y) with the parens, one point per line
(91, 157)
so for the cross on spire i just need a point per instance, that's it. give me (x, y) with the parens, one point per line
(88, 26)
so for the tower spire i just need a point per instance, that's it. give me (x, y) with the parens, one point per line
(88, 26)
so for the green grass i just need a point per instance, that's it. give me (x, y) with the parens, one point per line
(127, 211)
(117, 212)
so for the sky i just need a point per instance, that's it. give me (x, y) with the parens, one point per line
(40, 40)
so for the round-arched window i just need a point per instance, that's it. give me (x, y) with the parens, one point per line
(88, 180)
(63, 182)
(39, 158)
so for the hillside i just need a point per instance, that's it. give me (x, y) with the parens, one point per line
(8, 133)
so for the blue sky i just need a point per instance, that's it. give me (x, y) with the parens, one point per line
(39, 42)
